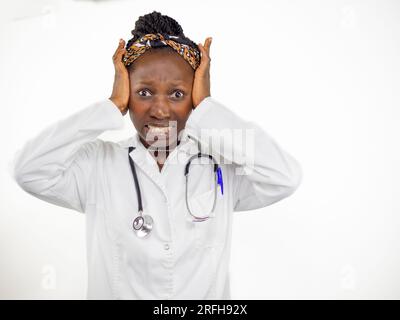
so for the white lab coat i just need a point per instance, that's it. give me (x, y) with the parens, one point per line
(67, 165)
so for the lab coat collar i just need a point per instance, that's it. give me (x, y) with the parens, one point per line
(142, 157)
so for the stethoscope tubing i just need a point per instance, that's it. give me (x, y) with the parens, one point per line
(187, 168)
(143, 224)
(135, 178)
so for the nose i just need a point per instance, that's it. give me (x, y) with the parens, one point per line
(160, 110)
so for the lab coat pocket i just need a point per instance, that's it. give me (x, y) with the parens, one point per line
(206, 232)
(201, 205)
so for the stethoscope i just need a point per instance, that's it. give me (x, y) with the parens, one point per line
(143, 223)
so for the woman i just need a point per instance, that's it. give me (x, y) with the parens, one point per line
(179, 246)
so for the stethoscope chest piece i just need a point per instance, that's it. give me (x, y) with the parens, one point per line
(142, 225)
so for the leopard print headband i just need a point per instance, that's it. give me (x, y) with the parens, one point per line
(190, 54)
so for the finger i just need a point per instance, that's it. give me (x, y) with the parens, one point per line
(205, 59)
(204, 52)
(120, 49)
(207, 44)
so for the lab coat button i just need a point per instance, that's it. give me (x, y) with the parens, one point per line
(166, 246)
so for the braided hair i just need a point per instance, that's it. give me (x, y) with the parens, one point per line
(155, 22)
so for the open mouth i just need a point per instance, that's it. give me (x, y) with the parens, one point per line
(153, 129)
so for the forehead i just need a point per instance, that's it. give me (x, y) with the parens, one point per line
(161, 66)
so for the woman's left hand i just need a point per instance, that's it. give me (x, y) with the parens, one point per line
(201, 83)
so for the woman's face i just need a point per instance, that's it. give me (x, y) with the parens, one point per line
(160, 99)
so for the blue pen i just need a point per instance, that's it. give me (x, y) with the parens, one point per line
(220, 180)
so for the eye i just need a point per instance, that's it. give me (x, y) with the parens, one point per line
(180, 94)
(143, 90)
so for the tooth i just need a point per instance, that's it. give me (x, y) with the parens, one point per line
(159, 130)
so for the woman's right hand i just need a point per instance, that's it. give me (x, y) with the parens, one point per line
(120, 93)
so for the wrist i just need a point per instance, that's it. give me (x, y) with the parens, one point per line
(200, 100)
(117, 104)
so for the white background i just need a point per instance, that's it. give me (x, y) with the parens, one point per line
(321, 77)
